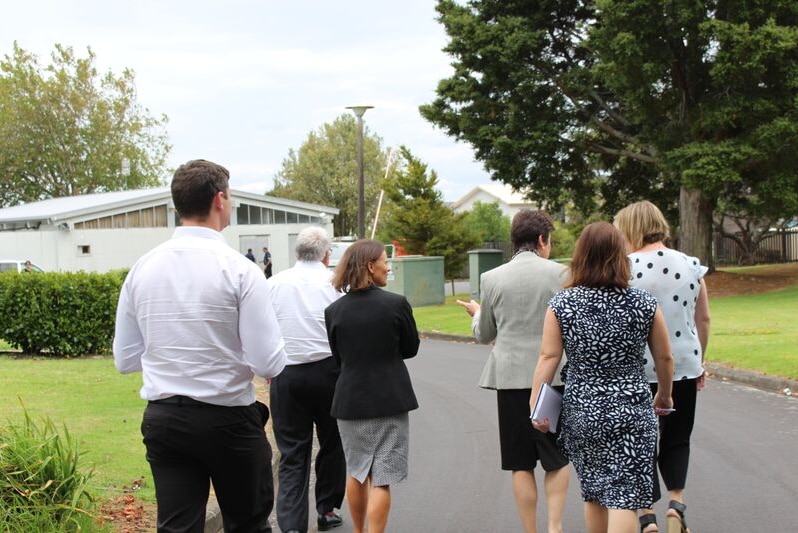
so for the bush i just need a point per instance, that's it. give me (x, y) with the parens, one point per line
(59, 314)
(41, 485)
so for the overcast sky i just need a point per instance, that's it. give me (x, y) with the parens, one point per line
(244, 81)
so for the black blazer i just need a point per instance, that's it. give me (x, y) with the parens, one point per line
(371, 332)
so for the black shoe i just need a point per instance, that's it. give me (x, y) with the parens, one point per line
(329, 521)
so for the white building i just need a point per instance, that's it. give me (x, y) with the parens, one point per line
(106, 231)
(510, 202)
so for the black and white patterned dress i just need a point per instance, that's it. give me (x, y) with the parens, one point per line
(609, 429)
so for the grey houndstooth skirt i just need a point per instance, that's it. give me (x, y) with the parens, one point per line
(376, 446)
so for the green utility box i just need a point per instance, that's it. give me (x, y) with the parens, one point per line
(419, 278)
(479, 262)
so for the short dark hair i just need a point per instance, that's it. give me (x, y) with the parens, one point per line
(599, 258)
(528, 226)
(352, 272)
(195, 184)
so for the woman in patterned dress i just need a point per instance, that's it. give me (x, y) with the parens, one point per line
(608, 423)
(676, 280)
(371, 333)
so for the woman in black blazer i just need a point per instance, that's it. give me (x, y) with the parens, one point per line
(371, 332)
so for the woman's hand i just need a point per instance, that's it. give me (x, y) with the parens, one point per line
(701, 381)
(543, 427)
(663, 405)
(471, 307)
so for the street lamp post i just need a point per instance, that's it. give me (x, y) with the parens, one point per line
(359, 111)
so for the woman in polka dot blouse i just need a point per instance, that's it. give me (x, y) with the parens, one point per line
(676, 280)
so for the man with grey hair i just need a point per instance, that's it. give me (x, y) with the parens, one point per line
(302, 395)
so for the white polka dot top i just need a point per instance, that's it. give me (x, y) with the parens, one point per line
(674, 279)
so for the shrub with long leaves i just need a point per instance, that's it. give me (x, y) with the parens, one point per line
(42, 486)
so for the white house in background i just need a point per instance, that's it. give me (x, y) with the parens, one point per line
(106, 231)
(510, 202)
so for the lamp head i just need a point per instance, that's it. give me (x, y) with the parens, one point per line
(360, 110)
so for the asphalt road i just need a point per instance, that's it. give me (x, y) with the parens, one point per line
(743, 472)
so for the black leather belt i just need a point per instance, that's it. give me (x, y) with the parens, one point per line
(181, 400)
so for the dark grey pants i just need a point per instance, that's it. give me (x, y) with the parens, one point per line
(189, 444)
(301, 397)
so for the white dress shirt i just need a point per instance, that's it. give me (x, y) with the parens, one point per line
(300, 295)
(195, 316)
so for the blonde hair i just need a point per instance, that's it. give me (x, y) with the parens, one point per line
(642, 223)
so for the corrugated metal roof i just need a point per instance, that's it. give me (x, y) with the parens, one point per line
(60, 208)
(55, 209)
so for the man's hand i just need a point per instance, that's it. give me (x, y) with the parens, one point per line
(471, 307)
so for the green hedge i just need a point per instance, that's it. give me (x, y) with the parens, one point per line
(59, 314)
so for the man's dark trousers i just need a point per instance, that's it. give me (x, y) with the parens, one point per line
(300, 397)
(190, 444)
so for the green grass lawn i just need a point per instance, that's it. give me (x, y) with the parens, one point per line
(100, 407)
(447, 318)
(757, 332)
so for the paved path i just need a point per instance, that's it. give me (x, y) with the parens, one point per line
(743, 474)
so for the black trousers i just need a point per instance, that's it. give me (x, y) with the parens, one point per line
(189, 444)
(673, 451)
(301, 397)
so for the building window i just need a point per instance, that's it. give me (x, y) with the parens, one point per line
(292, 218)
(84, 249)
(279, 217)
(146, 218)
(149, 217)
(254, 214)
(159, 220)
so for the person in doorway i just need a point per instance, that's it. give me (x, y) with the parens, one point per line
(608, 421)
(514, 299)
(301, 396)
(371, 333)
(196, 319)
(677, 281)
(249, 255)
(267, 262)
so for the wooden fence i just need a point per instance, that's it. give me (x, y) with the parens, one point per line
(778, 247)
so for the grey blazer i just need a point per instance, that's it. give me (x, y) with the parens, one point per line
(515, 297)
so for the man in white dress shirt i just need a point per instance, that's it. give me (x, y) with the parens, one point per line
(302, 395)
(195, 317)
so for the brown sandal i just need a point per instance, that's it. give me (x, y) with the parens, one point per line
(675, 520)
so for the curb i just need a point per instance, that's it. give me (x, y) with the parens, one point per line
(784, 386)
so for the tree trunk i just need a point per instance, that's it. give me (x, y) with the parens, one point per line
(695, 226)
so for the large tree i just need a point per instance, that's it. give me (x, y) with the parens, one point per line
(417, 218)
(324, 171)
(67, 130)
(603, 102)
